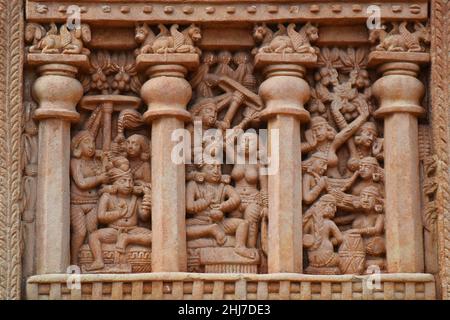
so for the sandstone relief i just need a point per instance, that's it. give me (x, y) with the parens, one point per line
(270, 145)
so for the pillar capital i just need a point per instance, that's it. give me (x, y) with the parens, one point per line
(399, 93)
(398, 90)
(167, 92)
(285, 91)
(57, 90)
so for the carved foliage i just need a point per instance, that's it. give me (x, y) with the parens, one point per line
(11, 61)
(343, 180)
(111, 194)
(112, 73)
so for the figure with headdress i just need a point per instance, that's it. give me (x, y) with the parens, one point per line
(208, 203)
(314, 182)
(368, 222)
(199, 81)
(136, 148)
(252, 187)
(87, 175)
(244, 71)
(223, 68)
(320, 236)
(138, 153)
(120, 209)
(369, 174)
(321, 136)
(367, 144)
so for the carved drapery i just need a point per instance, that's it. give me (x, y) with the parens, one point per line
(340, 88)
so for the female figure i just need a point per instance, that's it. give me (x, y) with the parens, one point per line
(320, 235)
(314, 181)
(138, 154)
(251, 186)
(370, 174)
(87, 175)
(367, 144)
(322, 137)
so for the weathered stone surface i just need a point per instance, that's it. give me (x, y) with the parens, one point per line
(277, 140)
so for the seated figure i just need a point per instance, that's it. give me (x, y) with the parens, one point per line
(207, 203)
(120, 210)
(367, 221)
(320, 236)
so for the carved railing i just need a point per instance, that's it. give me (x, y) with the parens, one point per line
(176, 286)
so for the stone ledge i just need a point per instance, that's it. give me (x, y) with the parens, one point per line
(226, 11)
(179, 286)
(76, 60)
(379, 57)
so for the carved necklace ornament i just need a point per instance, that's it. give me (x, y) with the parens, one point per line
(335, 192)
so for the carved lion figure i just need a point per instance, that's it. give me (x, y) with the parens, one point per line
(68, 41)
(166, 41)
(286, 40)
(400, 39)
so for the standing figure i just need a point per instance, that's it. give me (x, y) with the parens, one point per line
(208, 202)
(320, 236)
(87, 175)
(120, 210)
(322, 137)
(199, 81)
(223, 64)
(367, 144)
(138, 154)
(252, 188)
(314, 182)
(244, 71)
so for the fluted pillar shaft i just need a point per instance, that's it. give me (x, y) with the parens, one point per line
(57, 92)
(399, 93)
(284, 93)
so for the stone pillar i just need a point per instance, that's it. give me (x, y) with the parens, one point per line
(284, 93)
(167, 94)
(399, 93)
(57, 92)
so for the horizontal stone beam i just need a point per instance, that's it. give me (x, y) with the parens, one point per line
(112, 12)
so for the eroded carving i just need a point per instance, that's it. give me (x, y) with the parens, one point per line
(168, 41)
(286, 39)
(343, 181)
(400, 38)
(66, 40)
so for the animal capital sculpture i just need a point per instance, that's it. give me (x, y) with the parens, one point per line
(286, 40)
(400, 39)
(68, 40)
(167, 41)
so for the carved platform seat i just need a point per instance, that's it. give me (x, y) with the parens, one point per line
(204, 255)
(137, 259)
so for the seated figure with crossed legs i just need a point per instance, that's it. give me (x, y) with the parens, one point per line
(208, 202)
(120, 209)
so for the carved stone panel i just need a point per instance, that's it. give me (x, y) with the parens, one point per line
(300, 143)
